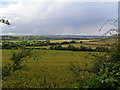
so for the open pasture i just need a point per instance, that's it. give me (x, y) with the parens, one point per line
(51, 70)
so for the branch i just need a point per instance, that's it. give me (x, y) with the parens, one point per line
(112, 20)
(5, 21)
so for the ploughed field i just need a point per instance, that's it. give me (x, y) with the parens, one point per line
(51, 69)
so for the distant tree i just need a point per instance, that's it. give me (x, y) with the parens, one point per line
(71, 47)
(81, 41)
(65, 42)
(90, 49)
(82, 48)
(73, 41)
(58, 47)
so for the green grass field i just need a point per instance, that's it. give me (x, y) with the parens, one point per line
(51, 70)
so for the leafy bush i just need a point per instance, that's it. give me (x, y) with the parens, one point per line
(108, 76)
(17, 59)
(106, 67)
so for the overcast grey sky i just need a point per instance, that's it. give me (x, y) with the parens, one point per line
(32, 17)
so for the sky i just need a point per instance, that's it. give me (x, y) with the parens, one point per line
(38, 17)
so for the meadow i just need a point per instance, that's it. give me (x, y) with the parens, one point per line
(52, 69)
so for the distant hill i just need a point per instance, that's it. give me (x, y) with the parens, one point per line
(48, 37)
(79, 36)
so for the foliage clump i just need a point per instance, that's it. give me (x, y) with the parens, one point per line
(106, 68)
(5, 21)
(17, 59)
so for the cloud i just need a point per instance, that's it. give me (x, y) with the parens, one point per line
(65, 0)
(48, 18)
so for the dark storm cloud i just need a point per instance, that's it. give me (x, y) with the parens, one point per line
(63, 18)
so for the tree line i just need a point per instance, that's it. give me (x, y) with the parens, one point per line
(81, 48)
(19, 44)
(54, 46)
